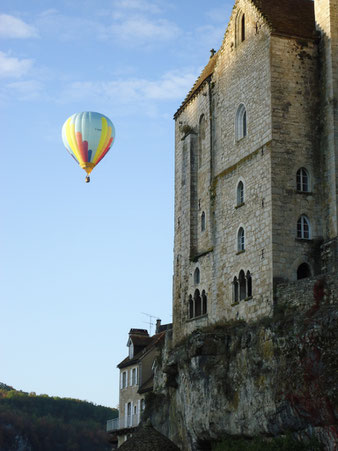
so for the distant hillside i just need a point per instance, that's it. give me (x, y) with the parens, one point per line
(5, 387)
(43, 423)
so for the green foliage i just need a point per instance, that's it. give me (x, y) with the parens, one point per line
(286, 443)
(56, 424)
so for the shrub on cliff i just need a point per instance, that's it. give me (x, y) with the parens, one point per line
(259, 444)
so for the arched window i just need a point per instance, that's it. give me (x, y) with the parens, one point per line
(241, 240)
(235, 289)
(249, 284)
(240, 28)
(197, 300)
(204, 303)
(303, 228)
(203, 222)
(242, 285)
(197, 276)
(191, 307)
(241, 122)
(303, 180)
(303, 271)
(242, 37)
(201, 139)
(240, 193)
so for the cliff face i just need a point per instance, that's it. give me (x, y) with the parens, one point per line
(264, 378)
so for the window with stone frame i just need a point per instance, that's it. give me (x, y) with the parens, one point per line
(240, 193)
(248, 284)
(242, 285)
(201, 139)
(241, 122)
(303, 180)
(204, 303)
(241, 240)
(235, 289)
(197, 276)
(240, 31)
(203, 221)
(191, 307)
(198, 303)
(303, 228)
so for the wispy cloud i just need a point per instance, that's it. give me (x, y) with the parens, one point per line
(12, 27)
(139, 5)
(13, 67)
(131, 22)
(68, 28)
(140, 29)
(26, 90)
(139, 94)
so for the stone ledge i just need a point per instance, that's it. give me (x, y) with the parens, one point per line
(189, 320)
(239, 205)
(194, 258)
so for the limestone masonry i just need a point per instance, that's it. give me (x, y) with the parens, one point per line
(256, 164)
(253, 350)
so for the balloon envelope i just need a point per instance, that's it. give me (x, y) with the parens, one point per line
(88, 137)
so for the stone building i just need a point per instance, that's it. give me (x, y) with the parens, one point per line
(256, 158)
(136, 379)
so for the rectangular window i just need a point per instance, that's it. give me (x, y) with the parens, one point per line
(124, 379)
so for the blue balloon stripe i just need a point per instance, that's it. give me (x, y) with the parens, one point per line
(90, 154)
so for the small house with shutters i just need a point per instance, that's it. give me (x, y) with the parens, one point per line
(136, 379)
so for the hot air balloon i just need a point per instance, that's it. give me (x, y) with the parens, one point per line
(88, 137)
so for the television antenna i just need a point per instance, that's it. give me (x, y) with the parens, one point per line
(150, 320)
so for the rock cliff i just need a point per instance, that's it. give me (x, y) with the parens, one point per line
(267, 378)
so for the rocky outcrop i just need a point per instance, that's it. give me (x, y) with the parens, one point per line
(267, 378)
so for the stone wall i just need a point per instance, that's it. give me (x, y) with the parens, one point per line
(279, 80)
(268, 378)
(327, 24)
(307, 293)
(210, 162)
(295, 145)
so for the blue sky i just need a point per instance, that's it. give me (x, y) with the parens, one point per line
(81, 262)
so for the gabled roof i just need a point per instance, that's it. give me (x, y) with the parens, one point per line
(206, 73)
(152, 342)
(294, 18)
(146, 438)
(289, 17)
(139, 340)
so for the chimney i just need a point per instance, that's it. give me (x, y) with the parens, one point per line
(158, 325)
